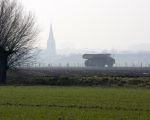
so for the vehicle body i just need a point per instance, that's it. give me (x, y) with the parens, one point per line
(99, 60)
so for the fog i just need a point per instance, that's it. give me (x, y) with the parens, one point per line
(74, 57)
(93, 24)
(118, 27)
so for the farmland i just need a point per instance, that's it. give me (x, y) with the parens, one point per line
(73, 103)
(76, 94)
(61, 76)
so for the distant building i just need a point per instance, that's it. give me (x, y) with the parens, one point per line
(51, 47)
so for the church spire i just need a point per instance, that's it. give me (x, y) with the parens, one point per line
(51, 47)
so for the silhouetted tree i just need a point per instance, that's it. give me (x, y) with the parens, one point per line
(17, 35)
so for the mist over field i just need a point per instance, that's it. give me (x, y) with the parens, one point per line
(74, 59)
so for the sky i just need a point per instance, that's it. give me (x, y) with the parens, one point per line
(93, 24)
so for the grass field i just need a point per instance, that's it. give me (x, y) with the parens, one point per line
(73, 103)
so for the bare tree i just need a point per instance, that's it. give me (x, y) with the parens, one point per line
(17, 35)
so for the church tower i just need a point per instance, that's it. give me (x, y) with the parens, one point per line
(51, 47)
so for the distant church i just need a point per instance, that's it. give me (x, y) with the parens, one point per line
(51, 47)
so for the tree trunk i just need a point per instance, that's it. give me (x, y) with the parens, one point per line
(3, 67)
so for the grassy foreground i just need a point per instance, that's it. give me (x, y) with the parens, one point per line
(73, 103)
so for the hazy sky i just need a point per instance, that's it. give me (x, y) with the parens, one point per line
(93, 24)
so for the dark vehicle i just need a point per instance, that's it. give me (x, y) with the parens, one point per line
(99, 60)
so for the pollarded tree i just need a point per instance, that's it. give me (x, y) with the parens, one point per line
(17, 35)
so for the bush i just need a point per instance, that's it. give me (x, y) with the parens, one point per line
(78, 80)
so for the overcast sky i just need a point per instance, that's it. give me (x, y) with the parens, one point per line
(93, 24)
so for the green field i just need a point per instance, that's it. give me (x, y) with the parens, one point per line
(73, 103)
